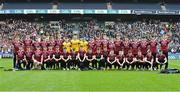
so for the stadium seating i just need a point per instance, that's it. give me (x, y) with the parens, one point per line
(27, 6)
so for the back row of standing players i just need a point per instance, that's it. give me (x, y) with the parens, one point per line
(98, 53)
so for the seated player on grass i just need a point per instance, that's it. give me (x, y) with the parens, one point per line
(149, 60)
(130, 60)
(81, 58)
(120, 60)
(161, 59)
(111, 59)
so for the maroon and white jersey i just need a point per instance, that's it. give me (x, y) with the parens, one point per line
(112, 57)
(52, 43)
(121, 58)
(161, 57)
(111, 46)
(139, 57)
(59, 42)
(126, 45)
(149, 57)
(27, 42)
(144, 47)
(164, 45)
(51, 53)
(104, 43)
(92, 44)
(16, 45)
(38, 55)
(98, 43)
(45, 54)
(130, 57)
(36, 44)
(135, 45)
(29, 54)
(44, 44)
(153, 46)
(20, 54)
(57, 53)
(118, 45)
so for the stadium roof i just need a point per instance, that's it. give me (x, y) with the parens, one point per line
(123, 1)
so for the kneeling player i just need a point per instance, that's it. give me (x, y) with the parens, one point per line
(21, 59)
(129, 60)
(97, 59)
(140, 61)
(89, 58)
(81, 58)
(65, 57)
(37, 58)
(149, 60)
(120, 60)
(29, 53)
(56, 57)
(161, 59)
(111, 59)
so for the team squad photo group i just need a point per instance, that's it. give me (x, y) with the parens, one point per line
(99, 53)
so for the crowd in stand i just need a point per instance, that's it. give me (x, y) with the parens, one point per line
(90, 29)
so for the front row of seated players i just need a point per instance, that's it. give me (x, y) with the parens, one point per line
(49, 58)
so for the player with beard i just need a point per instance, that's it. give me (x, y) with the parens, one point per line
(118, 44)
(74, 61)
(129, 60)
(120, 60)
(37, 58)
(111, 59)
(56, 56)
(105, 53)
(50, 54)
(28, 53)
(149, 60)
(135, 45)
(20, 58)
(65, 57)
(89, 58)
(153, 49)
(161, 59)
(144, 46)
(16, 44)
(81, 58)
(164, 48)
(126, 44)
(139, 62)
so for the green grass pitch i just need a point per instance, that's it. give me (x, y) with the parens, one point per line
(109, 80)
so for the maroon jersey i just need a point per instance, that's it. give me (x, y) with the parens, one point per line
(104, 43)
(89, 55)
(16, 45)
(52, 43)
(153, 46)
(29, 54)
(164, 45)
(73, 54)
(27, 42)
(126, 45)
(118, 45)
(139, 57)
(161, 57)
(20, 54)
(111, 46)
(81, 54)
(130, 57)
(65, 55)
(59, 42)
(149, 57)
(45, 55)
(144, 47)
(44, 44)
(57, 54)
(92, 44)
(112, 57)
(36, 44)
(135, 45)
(38, 55)
(98, 43)
(121, 58)
(105, 54)
(51, 53)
